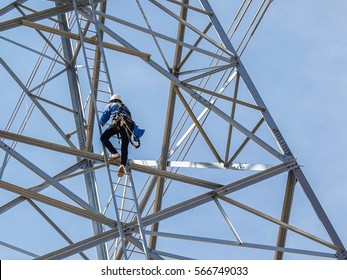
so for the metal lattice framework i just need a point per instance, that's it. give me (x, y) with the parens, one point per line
(214, 177)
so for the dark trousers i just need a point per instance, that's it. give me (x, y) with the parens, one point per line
(108, 133)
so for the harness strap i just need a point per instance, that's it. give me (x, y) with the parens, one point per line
(129, 132)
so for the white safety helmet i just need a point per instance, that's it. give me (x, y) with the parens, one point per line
(115, 97)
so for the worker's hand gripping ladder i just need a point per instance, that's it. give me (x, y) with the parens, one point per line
(101, 90)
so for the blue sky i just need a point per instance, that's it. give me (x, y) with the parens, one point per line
(297, 60)
(306, 58)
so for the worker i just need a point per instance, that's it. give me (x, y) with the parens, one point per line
(122, 125)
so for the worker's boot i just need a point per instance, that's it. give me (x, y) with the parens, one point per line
(114, 157)
(121, 171)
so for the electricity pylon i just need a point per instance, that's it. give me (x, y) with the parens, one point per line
(214, 177)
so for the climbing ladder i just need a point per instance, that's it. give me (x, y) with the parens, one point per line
(129, 216)
(123, 193)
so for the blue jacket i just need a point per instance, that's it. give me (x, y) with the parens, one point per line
(111, 110)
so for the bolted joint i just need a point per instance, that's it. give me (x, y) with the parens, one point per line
(341, 255)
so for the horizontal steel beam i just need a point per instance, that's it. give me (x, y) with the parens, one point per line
(44, 14)
(99, 158)
(74, 36)
(20, 250)
(237, 244)
(156, 35)
(81, 246)
(56, 203)
(171, 211)
(11, 6)
(282, 224)
(210, 165)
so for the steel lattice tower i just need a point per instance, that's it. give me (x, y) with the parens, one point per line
(214, 177)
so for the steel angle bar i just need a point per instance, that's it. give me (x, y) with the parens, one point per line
(207, 72)
(150, 255)
(170, 255)
(249, 105)
(46, 177)
(278, 222)
(54, 225)
(138, 213)
(227, 219)
(239, 16)
(152, 33)
(286, 211)
(47, 81)
(168, 123)
(197, 124)
(20, 250)
(202, 114)
(36, 16)
(81, 246)
(223, 190)
(32, 50)
(52, 103)
(49, 43)
(3, 166)
(189, 7)
(197, 42)
(258, 177)
(232, 115)
(22, 7)
(50, 146)
(200, 99)
(286, 166)
(91, 215)
(154, 38)
(11, 6)
(210, 165)
(38, 105)
(99, 158)
(175, 177)
(153, 218)
(234, 123)
(134, 166)
(318, 208)
(61, 176)
(88, 40)
(243, 245)
(257, 24)
(102, 253)
(250, 26)
(194, 29)
(282, 144)
(251, 87)
(244, 143)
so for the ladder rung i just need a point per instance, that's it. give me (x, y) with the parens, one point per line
(103, 91)
(92, 31)
(136, 251)
(115, 183)
(98, 60)
(91, 49)
(103, 102)
(128, 211)
(102, 81)
(127, 198)
(102, 71)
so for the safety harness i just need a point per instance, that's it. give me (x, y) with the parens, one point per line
(122, 119)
